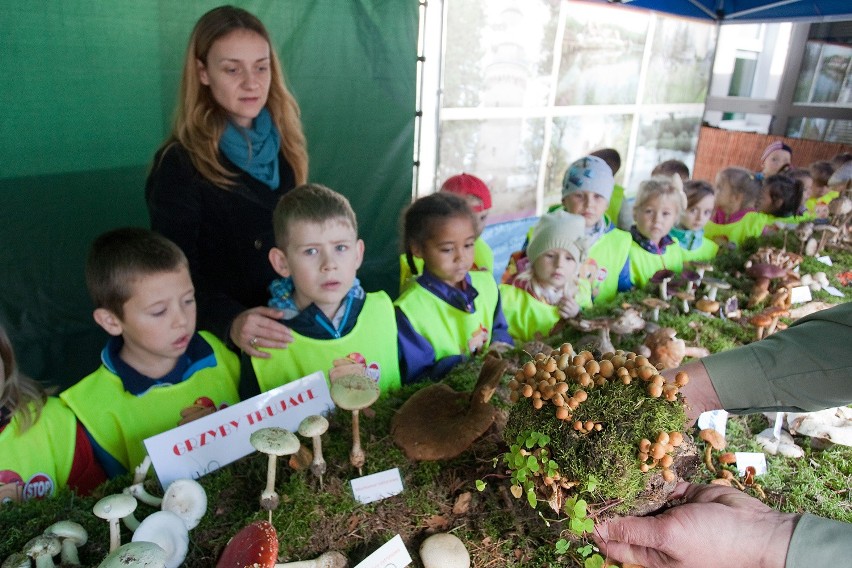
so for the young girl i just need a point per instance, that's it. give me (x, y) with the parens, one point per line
(781, 196)
(449, 313)
(659, 204)
(689, 230)
(42, 447)
(547, 286)
(775, 159)
(819, 193)
(478, 197)
(735, 217)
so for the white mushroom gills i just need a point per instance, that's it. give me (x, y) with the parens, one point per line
(42, 549)
(168, 531)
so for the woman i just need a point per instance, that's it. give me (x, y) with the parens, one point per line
(236, 147)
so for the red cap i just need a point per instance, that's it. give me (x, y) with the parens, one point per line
(466, 184)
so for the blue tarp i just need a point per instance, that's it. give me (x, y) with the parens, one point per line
(739, 11)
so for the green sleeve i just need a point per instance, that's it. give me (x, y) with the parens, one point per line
(819, 542)
(804, 368)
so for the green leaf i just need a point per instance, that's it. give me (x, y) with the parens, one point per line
(591, 483)
(580, 509)
(588, 525)
(531, 498)
(532, 464)
(562, 546)
(480, 485)
(577, 526)
(543, 440)
(594, 561)
(585, 550)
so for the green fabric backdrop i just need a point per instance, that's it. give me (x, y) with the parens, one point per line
(89, 89)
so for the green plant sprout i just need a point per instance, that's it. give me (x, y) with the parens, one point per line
(527, 459)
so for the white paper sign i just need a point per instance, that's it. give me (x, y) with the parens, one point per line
(715, 419)
(204, 445)
(833, 291)
(391, 554)
(825, 260)
(757, 460)
(377, 486)
(800, 294)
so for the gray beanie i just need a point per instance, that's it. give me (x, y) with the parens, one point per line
(559, 230)
(589, 174)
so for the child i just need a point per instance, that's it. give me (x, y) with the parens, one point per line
(478, 197)
(667, 168)
(42, 447)
(335, 324)
(735, 218)
(586, 190)
(616, 200)
(819, 193)
(547, 287)
(156, 371)
(775, 159)
(689, 230)
(659, 204)
(449, 312)
(780, 196)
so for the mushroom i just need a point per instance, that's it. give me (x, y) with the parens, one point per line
(629, 321)
(655, 304)
(713, 285)
(42, 549)
(603, 342)
(444, 550)
(763, 274)
(169, 532)
(701, 268)
(707, 306)
(330, 559)
(71, 536)
(112, 508)
(355, 393)
(273, 442)
(667, 351)
(715, 441)
(455, 419)
(254, 545)
(187, 499)
(17, 560)
(313, 427)
(136, 555)
(138, 491)
(691, 278)
(761, 321)
(775, 313)
(685, 297)
(662, 279)
(825, 231)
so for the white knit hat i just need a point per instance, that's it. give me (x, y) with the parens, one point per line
(559, 230)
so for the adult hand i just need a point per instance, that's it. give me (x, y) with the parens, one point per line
(259, 327)
(699, 391)
(716, 526)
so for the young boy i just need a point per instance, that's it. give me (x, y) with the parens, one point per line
(335, 324)
(156, 371)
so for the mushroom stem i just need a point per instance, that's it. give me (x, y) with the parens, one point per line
(141, 471)
(138, 491)
(269, 494)
(69, 554)
(330, 559)
(131, 522)
(664, 289)
(655, 314)
(318, 463)
(771, 329)
(711, 293)
(708, 458)
(356, 456)
(114, 535)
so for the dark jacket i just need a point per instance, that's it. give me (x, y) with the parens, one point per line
(226, 233)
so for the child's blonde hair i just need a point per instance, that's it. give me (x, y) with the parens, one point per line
(742, 182)
(661, 186)
(20, 395)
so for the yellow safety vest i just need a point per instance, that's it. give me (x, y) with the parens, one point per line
(483, 260)
(707, 251)
(750, 225)
(614, 208)
(811, 204)
(644, 264)
(374, 338)
(604, 263)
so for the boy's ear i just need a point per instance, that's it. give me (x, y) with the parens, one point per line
(359, 248)
(109, 321)
(279, 263)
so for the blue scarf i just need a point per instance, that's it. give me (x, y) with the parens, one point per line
(254, 150)
(646, 243)
(282, 291)
(689, 239)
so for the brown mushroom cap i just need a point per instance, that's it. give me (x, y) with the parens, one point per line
(708, 306)
(654, 303)
(760, 320)
(713, 438)
(254, 545)
(762, 270)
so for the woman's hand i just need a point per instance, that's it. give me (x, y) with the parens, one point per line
(568, 308)
(716, 526)
(259, 327)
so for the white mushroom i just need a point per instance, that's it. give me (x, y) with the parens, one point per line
(112, 508)
(138, 491)
(42, 549)
(330, 559)
(187, 499)
(355, 392)
(72, 536)
(273, 442)
(314, 426)
(136, 555)
(17, 560)
(169, 532)
(444, 550)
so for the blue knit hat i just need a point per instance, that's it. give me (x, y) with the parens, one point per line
(589, 174)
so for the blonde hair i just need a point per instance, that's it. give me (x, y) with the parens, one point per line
(661, 186)
(200, 121)
(20, 395)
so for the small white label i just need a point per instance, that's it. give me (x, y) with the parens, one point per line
(800, 294)
(715, 419)
(833, 291)
(377, 486)
(779, 424)
(825, 260)
(391, 554)
(757, 460)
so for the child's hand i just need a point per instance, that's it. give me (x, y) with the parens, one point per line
(346, 366)
(568, 308)
(478, 340)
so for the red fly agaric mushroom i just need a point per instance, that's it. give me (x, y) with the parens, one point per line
(313, 427)
(169, 532)
(112, 508)
(136, 555)
(273, 442)
(355, 393)
(444, 550)
(71, 536)
(254, 545)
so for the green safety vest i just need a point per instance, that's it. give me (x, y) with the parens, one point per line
(483, 260)
(120, 421)
(751, 225)
(644, 264)
(37, 462)
(811, 204)
(614, 208)
(604, 263)
(448, 328)
(374, 338)
(528, 315)
(707, 251)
